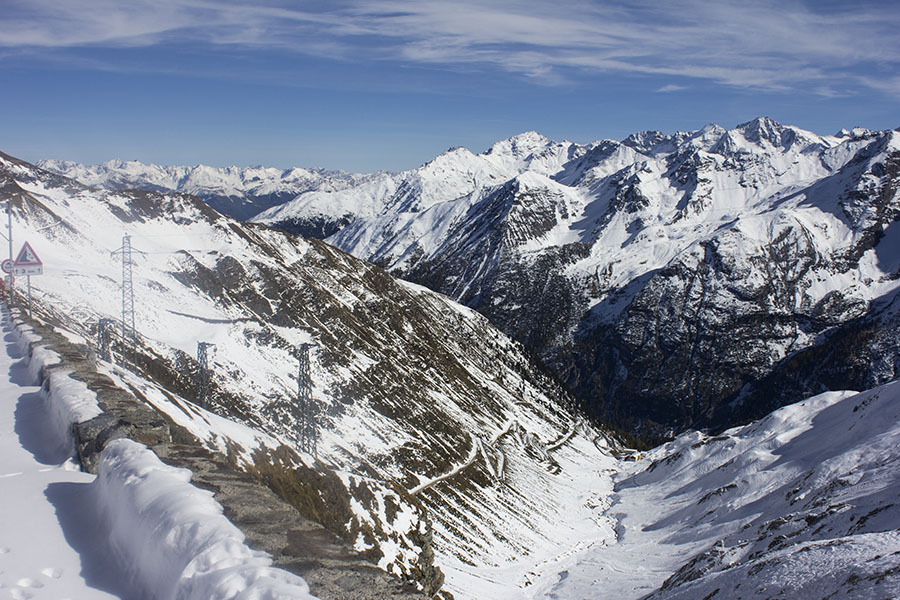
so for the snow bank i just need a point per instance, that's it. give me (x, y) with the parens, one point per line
(37, 356)
(68, 402)
(41, 357)
(173, 538)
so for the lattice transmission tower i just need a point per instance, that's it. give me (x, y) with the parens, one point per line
(128, 335)
(104, 338)
(205, 351)
(309, 434)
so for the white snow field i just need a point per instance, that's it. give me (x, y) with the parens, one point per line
(137, 530)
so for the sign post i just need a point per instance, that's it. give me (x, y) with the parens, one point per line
(10, 240)
(7, 267)
(27, 263)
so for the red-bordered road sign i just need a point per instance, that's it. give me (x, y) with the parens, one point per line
(27, 262)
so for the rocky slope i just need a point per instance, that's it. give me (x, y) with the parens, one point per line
(668, 279)
(90, 405)
(438, 434)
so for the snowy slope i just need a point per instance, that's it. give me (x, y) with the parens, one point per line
(801, 504)
(414, 392)
(663, 276)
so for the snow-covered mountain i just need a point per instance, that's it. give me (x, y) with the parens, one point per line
(433, 423)
(240, 192)
(671, 281)
(801, 504)
(668, 279)
(440, 439)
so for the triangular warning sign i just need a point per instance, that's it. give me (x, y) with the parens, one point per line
(27, 257)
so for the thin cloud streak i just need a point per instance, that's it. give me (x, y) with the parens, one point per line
(760, 45)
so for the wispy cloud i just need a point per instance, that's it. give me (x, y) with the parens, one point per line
(763, 45)
(672, 88)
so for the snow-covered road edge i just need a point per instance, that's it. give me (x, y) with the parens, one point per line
(171, 537)
(39, 357)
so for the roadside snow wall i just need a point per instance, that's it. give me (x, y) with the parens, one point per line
(173, 538)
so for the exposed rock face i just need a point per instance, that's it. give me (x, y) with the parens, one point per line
(735, 309)
(662, 277)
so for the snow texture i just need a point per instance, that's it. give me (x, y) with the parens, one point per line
(50, 542)
(37, 356)
(801, 504)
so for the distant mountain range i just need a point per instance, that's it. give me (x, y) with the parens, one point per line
(672, 281)
(240, 192)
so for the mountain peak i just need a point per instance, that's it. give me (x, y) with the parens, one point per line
(856, 132)
(455, 157)
(763, 121)
(650, 142)
(521, 145)
(765, 129)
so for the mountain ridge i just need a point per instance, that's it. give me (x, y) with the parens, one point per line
(579, 250)
(240, 192)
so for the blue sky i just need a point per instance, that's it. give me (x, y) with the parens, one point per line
(363, 85)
